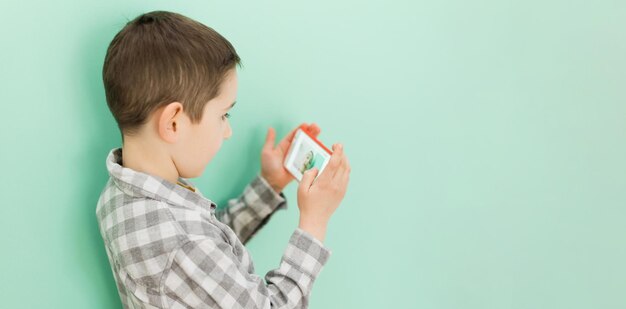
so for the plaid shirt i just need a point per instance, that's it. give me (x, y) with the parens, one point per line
(170, 247)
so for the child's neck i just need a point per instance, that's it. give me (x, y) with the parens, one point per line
(146, 158)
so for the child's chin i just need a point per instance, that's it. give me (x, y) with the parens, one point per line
(193, 173)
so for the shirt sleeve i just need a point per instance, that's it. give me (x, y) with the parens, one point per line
(249, 212)
(205, 273)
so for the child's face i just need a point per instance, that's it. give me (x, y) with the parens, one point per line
(201, 141)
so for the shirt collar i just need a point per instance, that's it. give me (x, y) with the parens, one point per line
(140, 184)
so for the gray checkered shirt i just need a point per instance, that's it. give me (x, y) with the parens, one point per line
(170, 247)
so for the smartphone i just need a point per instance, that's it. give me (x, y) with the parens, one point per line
(306, 152)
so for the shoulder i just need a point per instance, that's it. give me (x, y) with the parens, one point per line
(140, 234)
(137, 228)
(135, 223)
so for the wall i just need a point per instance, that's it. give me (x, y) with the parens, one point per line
(487, 141)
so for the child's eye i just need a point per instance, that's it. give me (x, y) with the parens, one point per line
(227, 115)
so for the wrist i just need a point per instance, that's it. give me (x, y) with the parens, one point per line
(272, 184)
(277, 189)
(317, 228)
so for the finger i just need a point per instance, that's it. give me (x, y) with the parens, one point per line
(345, 179)
(334, 162)
(341, 178)
(314, 129)
(340, 165)
(338, 174)
(343, 169)
(270, 139)
(307, 179)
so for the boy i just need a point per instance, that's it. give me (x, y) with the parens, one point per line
(169, 83)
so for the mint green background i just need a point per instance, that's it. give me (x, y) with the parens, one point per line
(487, 140)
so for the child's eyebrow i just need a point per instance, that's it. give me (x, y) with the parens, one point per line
(231, 106)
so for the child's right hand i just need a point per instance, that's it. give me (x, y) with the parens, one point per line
(319, 199)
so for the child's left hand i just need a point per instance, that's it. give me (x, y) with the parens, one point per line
(272, 158)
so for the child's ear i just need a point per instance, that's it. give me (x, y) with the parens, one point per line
(169, 120)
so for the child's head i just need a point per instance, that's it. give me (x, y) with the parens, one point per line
(169, 82)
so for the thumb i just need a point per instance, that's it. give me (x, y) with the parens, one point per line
(307, 179)
(270, 139)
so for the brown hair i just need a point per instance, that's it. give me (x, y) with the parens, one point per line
(162, 57)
